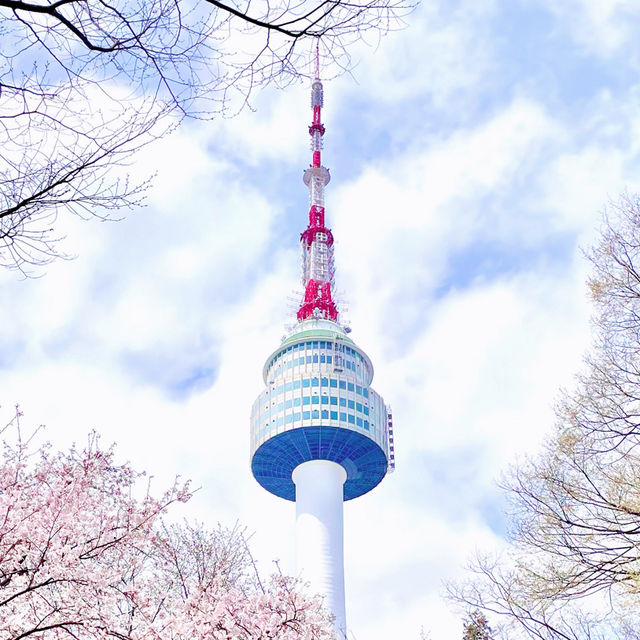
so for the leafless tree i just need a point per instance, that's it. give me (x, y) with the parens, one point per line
(85, 83)
(574, 568)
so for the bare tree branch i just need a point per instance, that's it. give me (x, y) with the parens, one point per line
(84, 84)
(573, 571)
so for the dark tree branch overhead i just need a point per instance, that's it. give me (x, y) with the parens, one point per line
(85, 83)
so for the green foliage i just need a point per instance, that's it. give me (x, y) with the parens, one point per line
(476, 627)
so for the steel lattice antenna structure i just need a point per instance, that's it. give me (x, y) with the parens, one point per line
(320, 434)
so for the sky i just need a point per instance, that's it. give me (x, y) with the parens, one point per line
(471, 155)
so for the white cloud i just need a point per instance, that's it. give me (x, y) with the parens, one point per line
(406, 216)
(457, 252)
(443, 49)
(603, 27)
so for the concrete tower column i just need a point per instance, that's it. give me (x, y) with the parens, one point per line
(319, 537)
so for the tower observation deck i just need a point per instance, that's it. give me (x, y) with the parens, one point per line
(320, 434)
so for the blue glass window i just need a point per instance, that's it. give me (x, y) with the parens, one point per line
(325, 414)
(315, 413)
(343, 384)
(288, 404)
(343, 402)
(334, 415)
(333, 383)
(306, 400)
(343, 416)
(359, 422)
(308, 359)
(288, 419)
(315, 357)
(358, 406)
(366, 425)
(306, 382)
(315, 400)
(334, 400)
(296, 384)
(352, 419)
(306, 415)
(324, 382)
(315, 382)
(329, 359)
(366, 410)
(359, 390)
(296, 416)
(296, 402)
(322, 344)
(325, 399)
(322, 358)
(350, 386)
(365, 392)
(351, 404)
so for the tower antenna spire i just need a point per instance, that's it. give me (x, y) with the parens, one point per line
(317, 240)
(320, 434)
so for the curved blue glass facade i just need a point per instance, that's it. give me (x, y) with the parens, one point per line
(274, 461)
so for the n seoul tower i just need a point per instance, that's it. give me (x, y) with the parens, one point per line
(320, 435)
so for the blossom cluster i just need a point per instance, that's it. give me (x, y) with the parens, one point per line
(81, 557)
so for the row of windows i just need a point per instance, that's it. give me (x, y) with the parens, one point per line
(308, 360)
(332, 383)
(315, 358)
(332, 400)
(315, 345)
(350, 418)
(311, 345)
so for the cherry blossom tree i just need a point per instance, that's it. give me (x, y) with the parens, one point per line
(84, 555)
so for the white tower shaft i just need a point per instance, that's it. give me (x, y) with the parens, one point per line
(319, 533)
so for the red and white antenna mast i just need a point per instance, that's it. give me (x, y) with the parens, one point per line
(316, 240)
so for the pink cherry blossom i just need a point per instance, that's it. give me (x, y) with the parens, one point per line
(84, 557)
